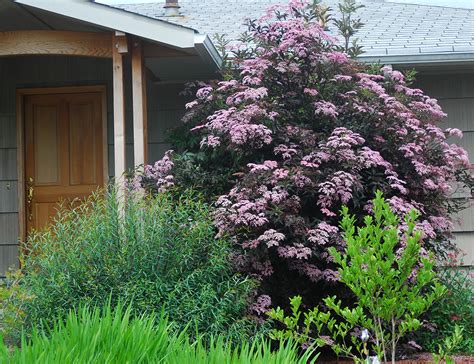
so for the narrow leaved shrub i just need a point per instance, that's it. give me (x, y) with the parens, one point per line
(161, 255)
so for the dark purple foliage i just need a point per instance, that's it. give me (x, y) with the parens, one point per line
(303, 129)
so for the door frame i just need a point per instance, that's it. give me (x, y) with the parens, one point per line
(21, 93)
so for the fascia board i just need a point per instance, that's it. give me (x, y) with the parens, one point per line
(120, 20)
(432, 58)
(207, 51)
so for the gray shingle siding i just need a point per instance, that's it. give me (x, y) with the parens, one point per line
(165, 108)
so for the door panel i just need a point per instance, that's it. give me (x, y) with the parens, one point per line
(45, 128)
(64, 152)
(43, 212)
(82, 142)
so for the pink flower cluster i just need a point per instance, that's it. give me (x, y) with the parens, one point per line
(322, 234)
(262, 305)
(325, 108)
(237, 127)
(304, 129)
(158, 175)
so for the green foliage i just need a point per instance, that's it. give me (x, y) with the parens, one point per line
(453, 309)
(188, 172)
(161, 255)
(348, 27)
(392, 282)
(329, 331)
(448, 347)
(12, 300)
(394, 289)
(114, 336)
(320, 328)
(222, 45)
(410, 75)
(259, 352)
(92, 336)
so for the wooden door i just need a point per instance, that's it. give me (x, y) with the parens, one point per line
(64, 152)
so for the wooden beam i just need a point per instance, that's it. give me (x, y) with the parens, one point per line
(20, 138)
(121, 42)
(89, 44)
(153, 50)
(55, 42)
(140, 135)
(119, 113)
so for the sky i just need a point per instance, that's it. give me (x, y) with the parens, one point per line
(469, 4)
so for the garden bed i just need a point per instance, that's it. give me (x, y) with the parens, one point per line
(416, 359)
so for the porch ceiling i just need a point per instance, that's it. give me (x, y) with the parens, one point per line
(15, 16)
(187, 55)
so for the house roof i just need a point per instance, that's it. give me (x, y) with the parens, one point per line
(393, 32)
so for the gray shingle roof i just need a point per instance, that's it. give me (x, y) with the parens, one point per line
(392, 30)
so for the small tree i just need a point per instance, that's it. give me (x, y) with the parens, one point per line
(348, 27)
(390, 276)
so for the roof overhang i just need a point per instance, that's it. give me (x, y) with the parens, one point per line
(438, 59)
(154, 30)
(206, 49)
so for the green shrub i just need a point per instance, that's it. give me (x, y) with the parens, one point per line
(392, 282)
(161, 255)
(448, 346)
(12, 301)
(113, 336)
(454, 309)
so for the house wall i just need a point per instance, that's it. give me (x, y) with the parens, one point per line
(165, 109)
(455, 93)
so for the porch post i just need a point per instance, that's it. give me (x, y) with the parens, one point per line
(140, 137)
(119, 47)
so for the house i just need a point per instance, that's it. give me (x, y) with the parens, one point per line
(88, 90)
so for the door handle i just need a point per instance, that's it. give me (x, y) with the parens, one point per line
(30, 192)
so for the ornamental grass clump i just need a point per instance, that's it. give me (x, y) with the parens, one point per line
(111, 336)
(96, 336)
(392, 281)
(295, 130)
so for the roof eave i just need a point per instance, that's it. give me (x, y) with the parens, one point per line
(155, 30)
(421, 59)
(208, 52)
(115, 19)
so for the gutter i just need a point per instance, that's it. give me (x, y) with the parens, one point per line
(207, 51)
(417, 59)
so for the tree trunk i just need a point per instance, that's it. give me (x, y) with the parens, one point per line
(394, 341)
